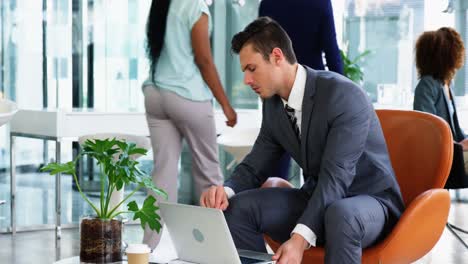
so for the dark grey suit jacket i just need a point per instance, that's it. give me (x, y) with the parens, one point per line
(342, 150)
(429, 97)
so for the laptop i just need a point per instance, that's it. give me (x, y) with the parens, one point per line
(201, 235)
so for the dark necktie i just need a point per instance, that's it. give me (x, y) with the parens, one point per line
(292, 118)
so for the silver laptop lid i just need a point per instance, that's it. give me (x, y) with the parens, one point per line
(199, 234)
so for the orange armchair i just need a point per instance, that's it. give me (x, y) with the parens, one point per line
(421, 150)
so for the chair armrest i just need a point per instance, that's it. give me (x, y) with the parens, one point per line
(418, 229)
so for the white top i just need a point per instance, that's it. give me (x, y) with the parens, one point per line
(176, 69)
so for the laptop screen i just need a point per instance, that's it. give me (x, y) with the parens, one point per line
(201, 235)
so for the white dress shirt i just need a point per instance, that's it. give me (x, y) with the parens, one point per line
(295, 102)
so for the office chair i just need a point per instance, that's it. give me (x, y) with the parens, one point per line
(458, 179)
(421, 151)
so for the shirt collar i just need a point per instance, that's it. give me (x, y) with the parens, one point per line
(297, 91)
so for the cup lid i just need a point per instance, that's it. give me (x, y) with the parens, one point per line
(137, 249)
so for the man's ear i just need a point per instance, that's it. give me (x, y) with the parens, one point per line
(277, 56)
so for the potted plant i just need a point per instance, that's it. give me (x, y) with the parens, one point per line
(351, 68)
(100, 235)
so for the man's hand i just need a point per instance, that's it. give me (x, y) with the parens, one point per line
(291, 251)
(214, 197)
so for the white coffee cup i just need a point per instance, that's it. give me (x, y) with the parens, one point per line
(138, 253)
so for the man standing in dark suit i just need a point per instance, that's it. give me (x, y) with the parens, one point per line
(350, 198)
(311, 27)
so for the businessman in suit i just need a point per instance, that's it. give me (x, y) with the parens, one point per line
(350, 198)
(309, 41)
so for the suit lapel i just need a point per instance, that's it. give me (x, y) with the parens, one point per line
(307, 106)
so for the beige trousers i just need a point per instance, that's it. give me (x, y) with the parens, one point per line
(172, 118)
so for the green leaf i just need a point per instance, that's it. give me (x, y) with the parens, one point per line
(118, 168)
(147, 214)
(362, 55)
(351, 68)
(136, 150)
(148, 183)
(55, 168)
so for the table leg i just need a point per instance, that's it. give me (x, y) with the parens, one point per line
(12, 186)
(58, 198)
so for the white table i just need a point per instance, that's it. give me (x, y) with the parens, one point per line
(164, 253)
(238, 142)
(74, 260)
(59, 125)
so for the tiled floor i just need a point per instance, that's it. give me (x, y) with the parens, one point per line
(449, 250)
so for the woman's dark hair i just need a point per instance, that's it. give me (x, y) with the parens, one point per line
(265, 34)
(440, 54)
(155, 31)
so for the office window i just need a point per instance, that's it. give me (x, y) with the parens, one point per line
(60, 10)
(133, 69)
(388, 29)
(22, 42)
(133, 11)
(63, 68)
(60, 68)
(230, 17)
(59, 45)
(120, 64)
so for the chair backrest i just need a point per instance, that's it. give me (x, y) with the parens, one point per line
(420, 147)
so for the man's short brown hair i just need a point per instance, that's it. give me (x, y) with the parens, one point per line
(265, 34)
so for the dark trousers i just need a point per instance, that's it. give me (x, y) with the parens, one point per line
(351, 224)
(282, 169)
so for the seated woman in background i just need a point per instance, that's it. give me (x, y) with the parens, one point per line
(439, 54)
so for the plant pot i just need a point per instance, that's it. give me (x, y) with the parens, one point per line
(100, 240)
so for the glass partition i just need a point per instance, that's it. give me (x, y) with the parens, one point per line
(120, 64)
(22, 81)
(239, 14)
(389, 29)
